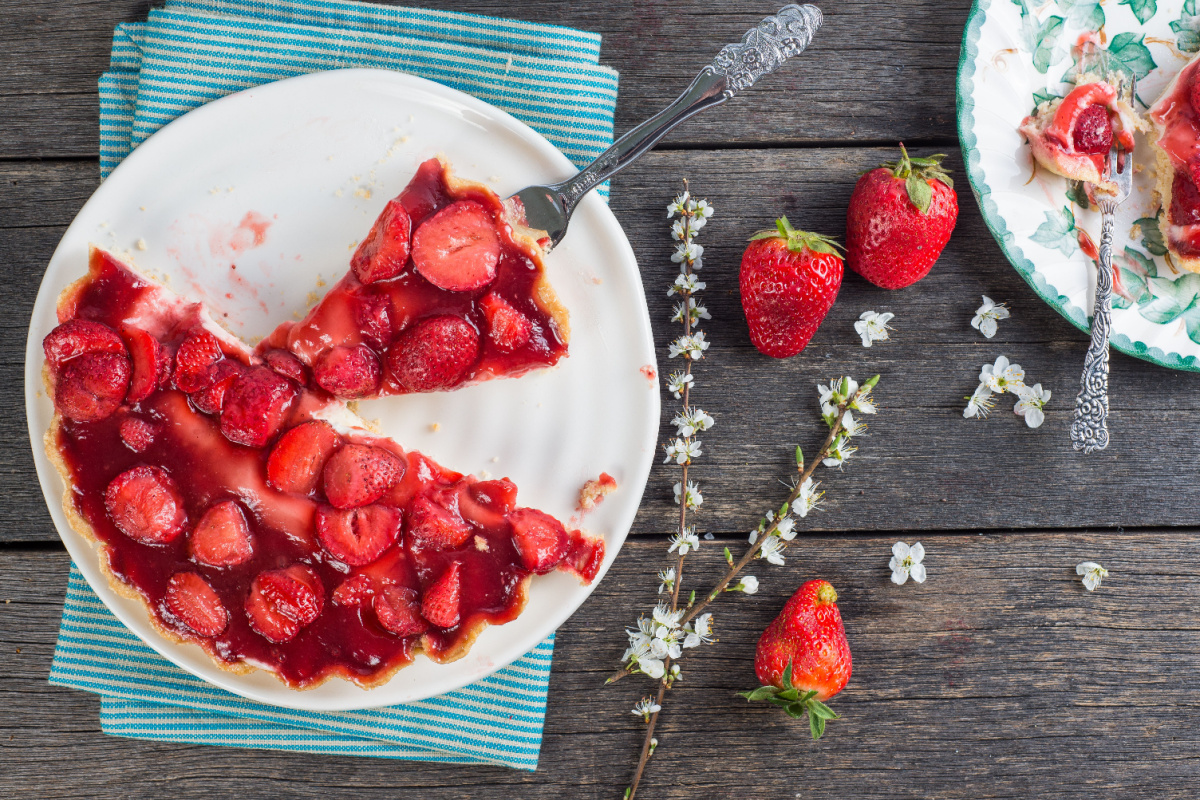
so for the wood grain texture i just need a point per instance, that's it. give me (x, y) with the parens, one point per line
(921, 466)
(1000, 677)
(847, 87)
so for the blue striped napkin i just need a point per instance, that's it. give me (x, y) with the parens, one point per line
(194, 51)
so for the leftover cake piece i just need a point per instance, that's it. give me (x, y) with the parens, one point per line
(1175, 116)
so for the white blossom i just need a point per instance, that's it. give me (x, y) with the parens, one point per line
(686, 284)
(666, 619)
(696, 312)
(772, 551)
(679, 205)
(702, 210)
(645, 707)
(689, 422)
(687, 540)
(678, 381)
(808, 498)
(667, 576)
(682, 451)
(651, 667)
(873, 327)
(1033, 398)
(1002, 376)
(786, 529)
(692, 345)
(906, 562)
(699, 632)
(687, 251)
(1092, 574)
(680, 229)
(748, 584)
(839, 452)
(980, 403)
(987, 315)
(851, 426)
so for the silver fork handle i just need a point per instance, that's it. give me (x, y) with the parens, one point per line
(1089, 428)
(736, 67)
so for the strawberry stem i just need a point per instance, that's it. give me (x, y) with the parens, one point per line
(798, 241)
(917, 174)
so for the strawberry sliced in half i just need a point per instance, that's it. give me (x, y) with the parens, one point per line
(78, 336)
(540, 539)
(440, 603)
(354, 592)
(436, 353)
(286, 365)
(509, 328)
(348, 372)
(196, 361)
(458, 248)
(397, 610)
(193, 602)
(283, 601)
(146, 505)
(211, 400)
(147, 355)
(383, 254)
(255, 406)
(222, 536)
(137, 433)
(358, 536)
(435, 526)
(298, 461)
(358, 475)
(92, 386)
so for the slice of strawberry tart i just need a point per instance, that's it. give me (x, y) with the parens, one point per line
(1071, 136)
(252, 512)
(1176, 120)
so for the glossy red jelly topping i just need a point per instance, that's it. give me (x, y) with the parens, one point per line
(1093, 132)
(439, 295)
(293, 546)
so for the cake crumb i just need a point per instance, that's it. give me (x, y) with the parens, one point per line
(141, 208)
(312, 299)
(597, 280)
(337, 193)
(594, 491)
(141, 244)
(485, 475)
(495, 459)
(321, 282)
(363, 192)
(481, 544)
(435, 427)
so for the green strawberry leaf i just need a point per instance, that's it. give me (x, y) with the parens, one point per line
(1131, 51)
(761, 693)
(1187, 28)
(1142, 9)
(821, 710)
(1058, 232)
(816, 725)
(795, 710)
(1152, 237)
(787, 676)
(919, 192)
(789, 694)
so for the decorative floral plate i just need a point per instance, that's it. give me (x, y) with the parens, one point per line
(1017, 53)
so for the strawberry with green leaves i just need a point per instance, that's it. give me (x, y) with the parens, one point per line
(789, 280)
(803, 657)
(900, 217)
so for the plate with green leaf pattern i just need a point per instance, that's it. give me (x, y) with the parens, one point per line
(1016, 54)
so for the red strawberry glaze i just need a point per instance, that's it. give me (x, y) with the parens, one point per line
(1178, 123)
(344, 639)
(375, 314)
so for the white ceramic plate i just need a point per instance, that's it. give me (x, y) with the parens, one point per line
(315, 158)
(1016, 49)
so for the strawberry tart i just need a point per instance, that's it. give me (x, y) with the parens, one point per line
(236, 494)
(1071, 136)
(1176, 120)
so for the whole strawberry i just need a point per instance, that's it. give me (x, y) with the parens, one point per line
(803, 657)
(789, 280)
(900, 217)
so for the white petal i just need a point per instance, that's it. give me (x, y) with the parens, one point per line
(899, 576)
(988, 327)
(1091, 581)
(894, 564)
(918, 573)
(987, 303)
(1034, 417)
(917, 551)
(885, 318)
(1085, 567)
(900, 550)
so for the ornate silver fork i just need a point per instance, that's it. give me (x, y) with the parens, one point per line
(1089, 428)
(761, 51)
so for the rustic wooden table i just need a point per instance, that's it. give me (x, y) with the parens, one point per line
(1000, 677)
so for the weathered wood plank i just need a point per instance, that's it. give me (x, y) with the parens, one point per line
(999, 678)
(920, 454)
(847, 87)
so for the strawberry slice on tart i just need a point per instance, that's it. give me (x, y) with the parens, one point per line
(442, 293)
(254, 514)
(1175, 116)
(1071, 136)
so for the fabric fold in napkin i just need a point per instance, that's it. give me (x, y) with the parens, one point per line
(191, 52)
